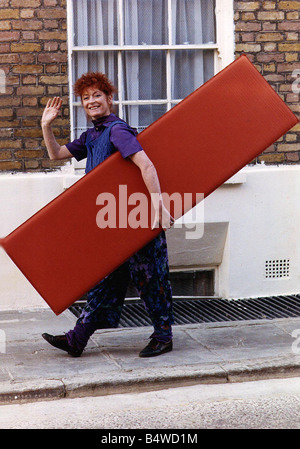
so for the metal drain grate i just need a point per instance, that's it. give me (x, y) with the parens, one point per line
(202, 310)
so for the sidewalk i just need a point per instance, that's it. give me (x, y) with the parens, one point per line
(33, 370)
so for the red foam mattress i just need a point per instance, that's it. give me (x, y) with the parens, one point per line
(195, 147)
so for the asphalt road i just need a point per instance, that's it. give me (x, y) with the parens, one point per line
(264, 404)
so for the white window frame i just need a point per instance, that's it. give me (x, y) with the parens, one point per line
(223, 55)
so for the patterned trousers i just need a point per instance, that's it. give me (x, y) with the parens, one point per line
(148, 270)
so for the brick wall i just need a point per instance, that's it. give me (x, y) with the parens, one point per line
(268, 33)
(33, 64)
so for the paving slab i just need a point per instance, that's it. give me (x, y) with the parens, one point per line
(31, 369)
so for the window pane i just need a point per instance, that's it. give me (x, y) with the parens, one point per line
(141, 116)
(95, 22)
(193, 21)
(80, 121)
(190, 69)
(101, 61)
(145, 22)
(144, 75)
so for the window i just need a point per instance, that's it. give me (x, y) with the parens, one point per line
(186, 284)
(155, 51)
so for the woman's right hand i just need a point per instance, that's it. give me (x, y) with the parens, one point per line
(51, 111)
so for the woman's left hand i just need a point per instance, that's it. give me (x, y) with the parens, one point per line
(162, 216)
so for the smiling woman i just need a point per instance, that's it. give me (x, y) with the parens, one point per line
(148, 268)
(96, 92)
(96, 103)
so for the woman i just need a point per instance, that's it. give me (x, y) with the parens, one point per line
(148, 268)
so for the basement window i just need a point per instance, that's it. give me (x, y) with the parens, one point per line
(186, 284)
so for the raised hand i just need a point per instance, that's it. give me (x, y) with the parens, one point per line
(51, 111)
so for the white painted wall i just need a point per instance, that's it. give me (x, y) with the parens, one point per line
(22, 195)
(264, 224)
(261, 205)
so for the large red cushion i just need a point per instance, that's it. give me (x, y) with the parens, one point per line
(195, 147)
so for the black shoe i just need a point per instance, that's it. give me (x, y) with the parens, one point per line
(156, 348)
(61, 342)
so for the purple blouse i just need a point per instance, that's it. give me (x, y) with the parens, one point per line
(122, 136)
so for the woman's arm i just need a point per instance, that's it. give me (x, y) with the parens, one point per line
(162, 216)
(50, 113)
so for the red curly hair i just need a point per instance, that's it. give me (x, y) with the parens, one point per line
(94, 79)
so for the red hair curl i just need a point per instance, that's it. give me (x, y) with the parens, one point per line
(97, 79)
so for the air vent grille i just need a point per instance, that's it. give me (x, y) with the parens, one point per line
(277, 268)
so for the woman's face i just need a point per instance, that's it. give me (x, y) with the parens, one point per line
(95, 102)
